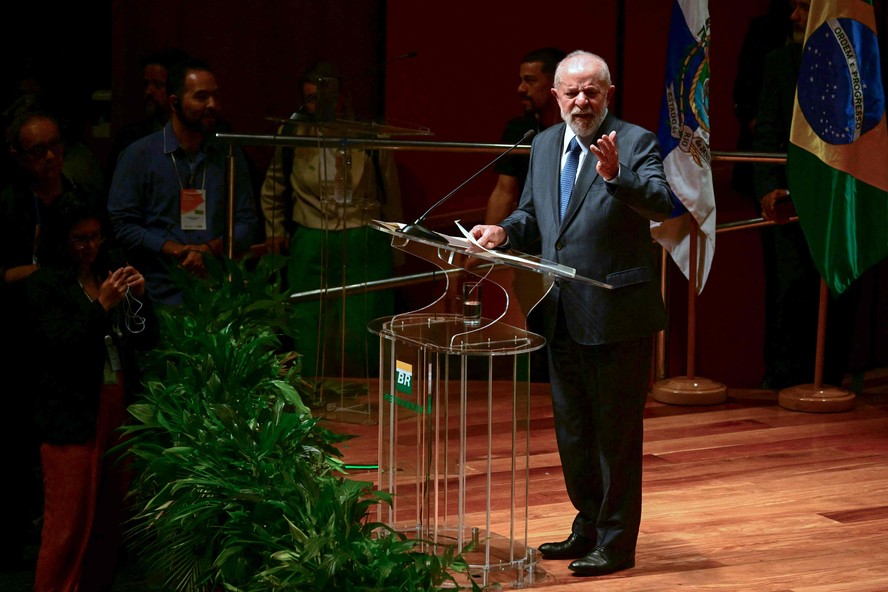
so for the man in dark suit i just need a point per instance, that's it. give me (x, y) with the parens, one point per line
(600, 340)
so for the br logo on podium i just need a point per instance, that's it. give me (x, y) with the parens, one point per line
(403, 385)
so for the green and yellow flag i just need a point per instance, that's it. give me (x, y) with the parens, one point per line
(837, 160)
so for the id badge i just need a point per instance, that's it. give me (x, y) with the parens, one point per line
(113, 354)
(193, 209)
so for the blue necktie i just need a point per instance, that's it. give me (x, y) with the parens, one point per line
(569, 175)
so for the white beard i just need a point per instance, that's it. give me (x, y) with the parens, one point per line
(582, 127)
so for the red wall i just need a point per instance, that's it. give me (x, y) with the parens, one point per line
(461, 85)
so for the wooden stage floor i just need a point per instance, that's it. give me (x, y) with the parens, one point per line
(740, 496)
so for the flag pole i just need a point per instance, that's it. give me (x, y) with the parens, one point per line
(818, 397)
(690, 389)
(691, 363)
(660, 352)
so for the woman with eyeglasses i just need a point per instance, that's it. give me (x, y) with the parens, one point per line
(90, 317)
(27, 202)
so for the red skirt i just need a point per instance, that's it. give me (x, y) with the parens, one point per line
(83, 491)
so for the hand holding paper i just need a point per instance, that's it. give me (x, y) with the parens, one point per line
(484, 237)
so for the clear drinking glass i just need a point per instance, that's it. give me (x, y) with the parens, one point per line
(471, 303)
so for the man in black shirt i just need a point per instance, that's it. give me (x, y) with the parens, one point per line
(536, 75)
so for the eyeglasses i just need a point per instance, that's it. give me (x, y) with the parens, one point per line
(81, 241)
(38, 151)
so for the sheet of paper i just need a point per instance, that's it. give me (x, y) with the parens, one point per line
(502, 255)
(469, 237)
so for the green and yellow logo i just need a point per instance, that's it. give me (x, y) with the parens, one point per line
(404, 384)
(404, 380)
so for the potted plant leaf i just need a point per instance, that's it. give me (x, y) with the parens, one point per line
(236, 485)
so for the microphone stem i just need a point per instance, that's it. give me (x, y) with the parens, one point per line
(416, 229)
(460, 186)
(527, 134)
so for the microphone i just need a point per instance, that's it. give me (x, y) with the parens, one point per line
(416, 229)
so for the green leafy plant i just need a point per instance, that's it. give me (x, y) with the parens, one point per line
(237, 486)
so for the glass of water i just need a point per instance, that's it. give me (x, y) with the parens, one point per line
(471, 303)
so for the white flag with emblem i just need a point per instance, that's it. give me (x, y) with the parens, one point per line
(683, 134)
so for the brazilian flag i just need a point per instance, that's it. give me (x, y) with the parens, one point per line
(837, 160)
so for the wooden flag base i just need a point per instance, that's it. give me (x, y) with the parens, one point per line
(814, 399)
(686, 390)
(817, 397)
(690, 389)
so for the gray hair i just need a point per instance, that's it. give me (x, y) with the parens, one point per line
(579, 53)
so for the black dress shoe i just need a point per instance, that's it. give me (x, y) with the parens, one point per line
(576, 545)
(599, 563)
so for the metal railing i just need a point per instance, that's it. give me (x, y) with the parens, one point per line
(460, 147)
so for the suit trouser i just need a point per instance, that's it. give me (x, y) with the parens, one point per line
(792, 291)
(792, 300)
(598, 397)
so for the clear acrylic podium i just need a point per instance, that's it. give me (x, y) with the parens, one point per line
(433, 362)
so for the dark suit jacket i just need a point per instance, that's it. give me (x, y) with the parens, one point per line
(605, 235)
(774, 117)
